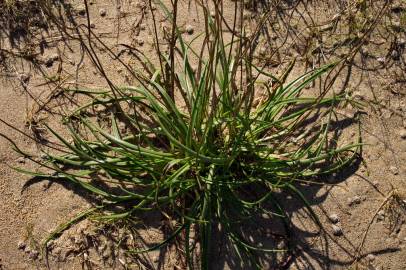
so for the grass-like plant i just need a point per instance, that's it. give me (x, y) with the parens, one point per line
(199, 147)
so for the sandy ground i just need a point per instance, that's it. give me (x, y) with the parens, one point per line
(358, 201)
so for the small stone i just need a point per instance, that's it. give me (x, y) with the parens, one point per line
(51, 59)
(189, 29)
(92, 25)
(213, 13)
(140, 41)
(354, 200)
(50, 244)
(395, 55)
(102, 12)
(27, 249)
(33, 254)
(381, 60)
(122, 127)
(394, 170)
(337, 231)
(402, 134)
(375, 183)
(334, 218)
(21, 245)
(357, 94)
(401, 42)
(24, 77)
(364, 51)
(81, 10)
(380, 215)
(155, 258)
(21, 160)
(370, 257)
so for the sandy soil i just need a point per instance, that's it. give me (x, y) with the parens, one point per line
(367, 200)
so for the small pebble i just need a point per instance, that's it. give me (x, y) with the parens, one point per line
(155, 258)
(394, 170)
(354, 200)
(375, 183)
(81, 10)
(24, 77)
(212, 13)
(402, 134)
(51, 59)
(27, 249)
(122, 127)
(102, 12)
(395, 55)
(140, 41)
(334, 218)
(370, 257)
(357, 94)
(21, 160)
(21, 245)
(92, 25)
(401, 42)
(364, 51)
(51, 244)
(189, 29)
(380, 215)
(33, 254)
(381, 60)
(337, 231)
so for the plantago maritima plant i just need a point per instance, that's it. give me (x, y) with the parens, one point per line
(199, 147)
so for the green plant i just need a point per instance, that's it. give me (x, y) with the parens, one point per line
(198, 149)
